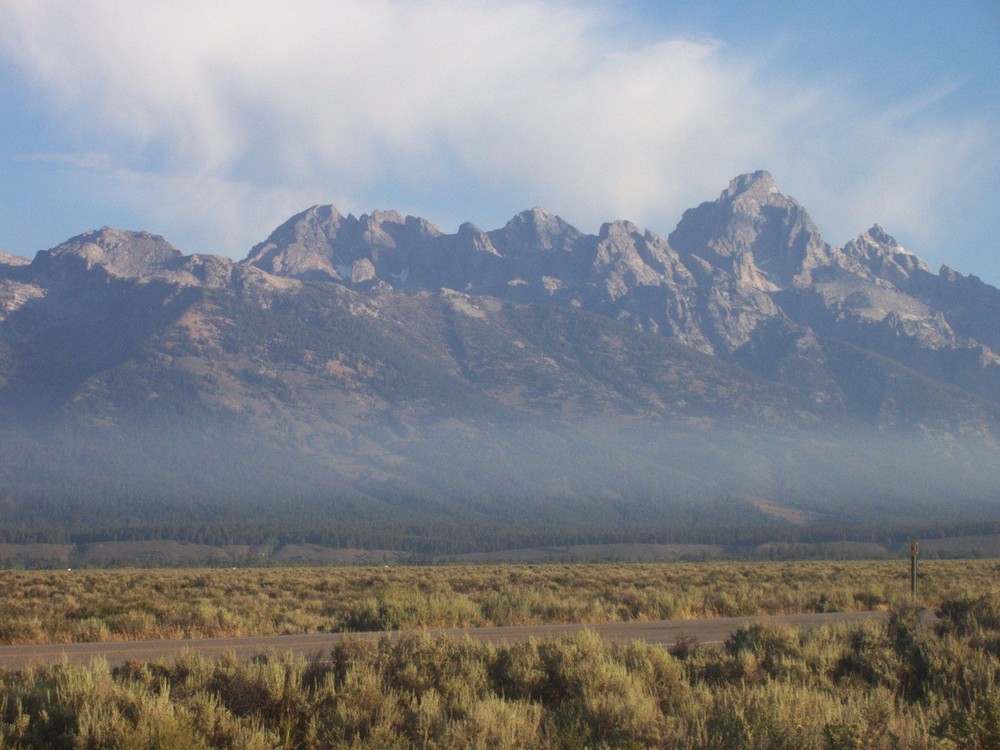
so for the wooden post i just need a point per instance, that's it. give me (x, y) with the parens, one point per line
(913, 569)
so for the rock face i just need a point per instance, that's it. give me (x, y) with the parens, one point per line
(735, 278)
(118, 252)
(13, 260)
(373, 357)
(321, 244)
(761, 237)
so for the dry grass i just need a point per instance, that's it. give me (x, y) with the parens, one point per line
(860, 687)
(101, 605)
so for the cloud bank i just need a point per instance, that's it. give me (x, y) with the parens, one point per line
(220, 119)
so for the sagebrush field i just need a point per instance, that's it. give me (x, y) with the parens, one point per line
(878, 686)
(99, 605)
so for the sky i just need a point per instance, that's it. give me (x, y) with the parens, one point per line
(211, 122)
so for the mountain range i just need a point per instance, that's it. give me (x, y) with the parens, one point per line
(376, 372)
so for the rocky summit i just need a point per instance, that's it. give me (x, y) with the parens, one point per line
(361, 368)
(735, 276)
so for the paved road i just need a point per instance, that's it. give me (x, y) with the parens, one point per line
(711, 632)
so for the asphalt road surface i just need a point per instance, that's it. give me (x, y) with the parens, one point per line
(711, 632)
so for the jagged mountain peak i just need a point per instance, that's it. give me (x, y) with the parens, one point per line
(757, 184)
(301, 245)
(378, 216)
(537, 229)
(880, 254)
(536, 213)
(120, 252)
(619, 227)
(753, 224)
(539, 219)
(474, 237)
(318, 212)
(878, 234)
(316, 223)
(314, 217)
(875, 241)
(392, 222)
(756, 192)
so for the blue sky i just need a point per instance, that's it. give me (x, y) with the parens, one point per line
(210, 123)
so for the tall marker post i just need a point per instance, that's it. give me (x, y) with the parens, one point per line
(913, 569)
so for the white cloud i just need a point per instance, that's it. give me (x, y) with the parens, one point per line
(224, 114)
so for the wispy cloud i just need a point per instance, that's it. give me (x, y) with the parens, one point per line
(87, 160)
(222, 115)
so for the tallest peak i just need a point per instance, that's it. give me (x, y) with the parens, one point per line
(759, 183)
(537, 214)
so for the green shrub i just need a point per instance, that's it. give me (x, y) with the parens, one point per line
(869, 658)
(967, 614)
(395, 608)
(976, 727)
(765, 651)
(869, 730)
(909, 639)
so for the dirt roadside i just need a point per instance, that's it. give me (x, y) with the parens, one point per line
(709, 633)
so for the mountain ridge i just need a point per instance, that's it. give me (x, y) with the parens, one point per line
(751, 257)
(378, 366)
